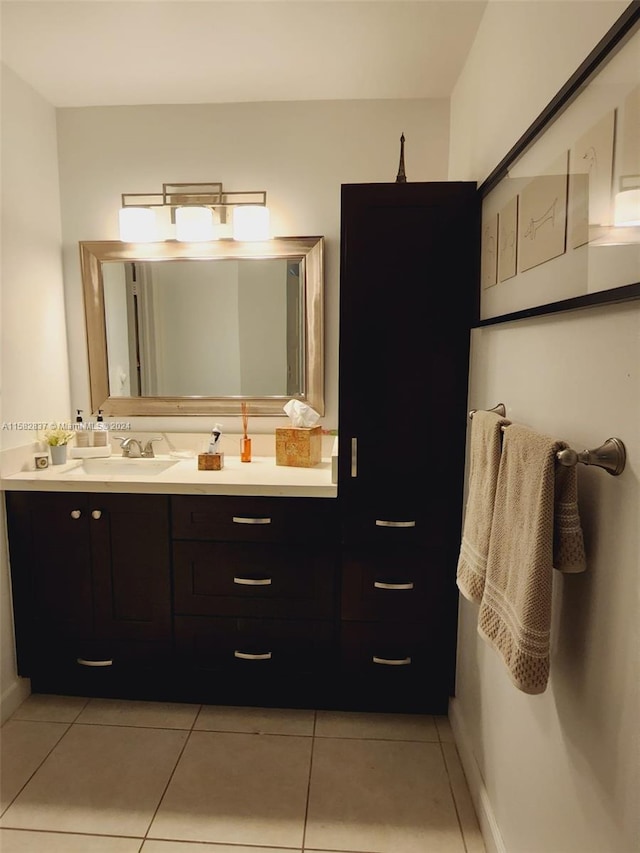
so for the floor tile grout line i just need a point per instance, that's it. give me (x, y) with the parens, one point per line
(171, 775)
(22, 787)
(453, 797)
(66, 832)
(137, 726)
(31, 720)
(306, 806)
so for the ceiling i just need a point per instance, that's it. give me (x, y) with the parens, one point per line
(117, 52)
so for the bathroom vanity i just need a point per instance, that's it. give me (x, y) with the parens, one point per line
(177, 590)
(187, 589)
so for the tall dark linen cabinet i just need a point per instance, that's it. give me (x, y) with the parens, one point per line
(408, 295)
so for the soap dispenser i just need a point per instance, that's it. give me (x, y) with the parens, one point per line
(101, 436)
(82, 434)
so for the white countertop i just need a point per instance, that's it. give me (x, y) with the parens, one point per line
(261, 476)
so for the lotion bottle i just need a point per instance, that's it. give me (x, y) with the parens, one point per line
(101, 435)
(82, 434)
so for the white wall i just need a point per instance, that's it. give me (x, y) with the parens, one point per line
(299, 152)
(556, 773)
(34, 358)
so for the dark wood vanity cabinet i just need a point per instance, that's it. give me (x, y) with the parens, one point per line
(255, 598)
(220, 599)
(408, 295)
(91, 586)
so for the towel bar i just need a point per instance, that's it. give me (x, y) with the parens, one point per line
(499, 409)
(611, 456)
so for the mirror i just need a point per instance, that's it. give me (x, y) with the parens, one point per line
(195, 329)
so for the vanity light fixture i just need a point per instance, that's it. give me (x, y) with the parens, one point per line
(194, 224)
(199, 210)
(251, 223)
(138, 225)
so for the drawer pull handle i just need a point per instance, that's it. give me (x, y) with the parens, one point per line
(381, 523)
(75, 513)
(392, 661)
(241, 519)
(96, 513)
(247, 656)
(85, 662)
(354, 457)
(253, 581)
(383, 585)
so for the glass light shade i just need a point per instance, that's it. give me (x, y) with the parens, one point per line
(251, 222)
(194, 224)
(137, 225)
(627, 208)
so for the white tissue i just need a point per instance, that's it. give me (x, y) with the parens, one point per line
(300, 414)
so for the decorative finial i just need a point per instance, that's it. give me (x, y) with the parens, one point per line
(401, 178)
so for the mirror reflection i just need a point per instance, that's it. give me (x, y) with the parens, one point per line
(230, 327)
(197, 328)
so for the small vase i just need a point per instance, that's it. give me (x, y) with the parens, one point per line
(245, 449)
(58, 454)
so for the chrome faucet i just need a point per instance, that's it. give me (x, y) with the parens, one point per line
(132, 447)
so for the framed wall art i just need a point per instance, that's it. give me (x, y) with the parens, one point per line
(561, 212)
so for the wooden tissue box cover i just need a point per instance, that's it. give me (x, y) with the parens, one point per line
(210, 461)
(300, 447)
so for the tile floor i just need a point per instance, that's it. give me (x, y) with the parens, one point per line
(108, 776)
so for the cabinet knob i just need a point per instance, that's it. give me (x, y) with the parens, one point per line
(96, 513)
(75, 513)
(247, 656)
(392, 661)
(384, 585)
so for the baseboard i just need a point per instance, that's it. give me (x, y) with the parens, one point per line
(13, 696)
(479, 794)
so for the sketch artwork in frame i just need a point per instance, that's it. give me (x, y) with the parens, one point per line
(570, 190)
(508, 240)
(591, 180)
(489, 252)
(543, 217)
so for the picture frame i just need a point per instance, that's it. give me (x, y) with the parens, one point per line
(555, 236)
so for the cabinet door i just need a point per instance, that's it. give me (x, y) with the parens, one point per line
(130, 557)
(408, 287)
(50, 552)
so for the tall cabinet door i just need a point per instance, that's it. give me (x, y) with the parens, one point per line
(407, 298)
(408, 293)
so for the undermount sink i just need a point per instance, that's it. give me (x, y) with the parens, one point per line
(122, 465)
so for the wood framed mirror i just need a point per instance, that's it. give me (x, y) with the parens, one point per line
(196, 329)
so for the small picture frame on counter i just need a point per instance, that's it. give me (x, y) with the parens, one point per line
(41, 461)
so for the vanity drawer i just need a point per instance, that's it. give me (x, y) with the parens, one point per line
(388, 583)
(251, 579)
(254, 646)
(396, 667)
(401, 518)
(254, 519)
